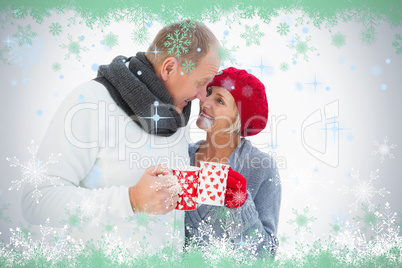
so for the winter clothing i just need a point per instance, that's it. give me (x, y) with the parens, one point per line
(250, 98)
(140, 93)
(260, 211)
(236, 186)
(103, 153)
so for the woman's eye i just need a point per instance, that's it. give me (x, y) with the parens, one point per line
(220, 101)
(208, 91)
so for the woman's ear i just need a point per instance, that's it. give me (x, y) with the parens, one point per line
(168, 68)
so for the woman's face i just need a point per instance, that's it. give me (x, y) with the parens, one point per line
(218, 111)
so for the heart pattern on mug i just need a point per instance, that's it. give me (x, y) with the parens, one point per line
(212, 185)
(188, 181)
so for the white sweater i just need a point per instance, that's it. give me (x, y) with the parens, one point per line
(103, 153)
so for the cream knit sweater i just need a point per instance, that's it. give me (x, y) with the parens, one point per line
(103, 153)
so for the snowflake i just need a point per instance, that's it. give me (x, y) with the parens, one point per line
(283, 28)
(284, 66)
(26, 55)
(247, 91)
(34, 172)
(143, 221)
(186, 26)
(369, 218)
(252, 35)
(225, 53)
(177, 41)
(233, 245)
(301, 47)
(302, 221)
(188, 66)
(397, 44)
(55, 28)
(20, 13)
(73, 48)
(238, 196)
(364, 190)
(386, 221)
(140, 36)
(44, 249)
(74, 220)
(90, 205)
(336, 227)
(283, 239)
(368, 36)
(384, 149)
(2, 217)
(220, 214)
(56, 66)
(2, 58)
(111, 40)
(26, 230)
(109, 228)
(24, 35)
(338, 40)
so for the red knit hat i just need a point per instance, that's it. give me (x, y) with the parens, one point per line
(250, 98)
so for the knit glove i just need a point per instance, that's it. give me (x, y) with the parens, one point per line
(236, 193)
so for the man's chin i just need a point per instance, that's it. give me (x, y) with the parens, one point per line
(180, 108)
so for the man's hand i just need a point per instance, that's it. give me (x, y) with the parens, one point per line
(156, 192)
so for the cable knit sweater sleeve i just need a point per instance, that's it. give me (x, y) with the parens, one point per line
(74, 127)
(261, 213)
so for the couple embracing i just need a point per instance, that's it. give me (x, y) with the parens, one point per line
(141, 106)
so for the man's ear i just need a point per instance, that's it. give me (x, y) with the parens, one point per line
(169, 67)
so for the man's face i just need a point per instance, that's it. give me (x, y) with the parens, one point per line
(184, 87)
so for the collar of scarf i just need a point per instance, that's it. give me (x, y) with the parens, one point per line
(142, 95)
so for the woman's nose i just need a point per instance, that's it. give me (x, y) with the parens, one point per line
(206, 102)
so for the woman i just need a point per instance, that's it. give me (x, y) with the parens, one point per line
(236, 106)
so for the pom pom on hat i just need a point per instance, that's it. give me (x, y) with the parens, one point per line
(250, 98)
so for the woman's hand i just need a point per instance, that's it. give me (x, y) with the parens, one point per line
(236, 193)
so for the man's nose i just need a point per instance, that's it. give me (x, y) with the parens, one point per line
(202, 94)
(206, 103)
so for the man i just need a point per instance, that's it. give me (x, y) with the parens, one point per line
(114, 132)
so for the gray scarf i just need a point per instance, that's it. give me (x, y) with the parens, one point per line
(142, 95)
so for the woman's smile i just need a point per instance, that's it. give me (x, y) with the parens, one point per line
(206, 115)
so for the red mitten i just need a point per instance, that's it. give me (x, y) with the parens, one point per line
(236, 193)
